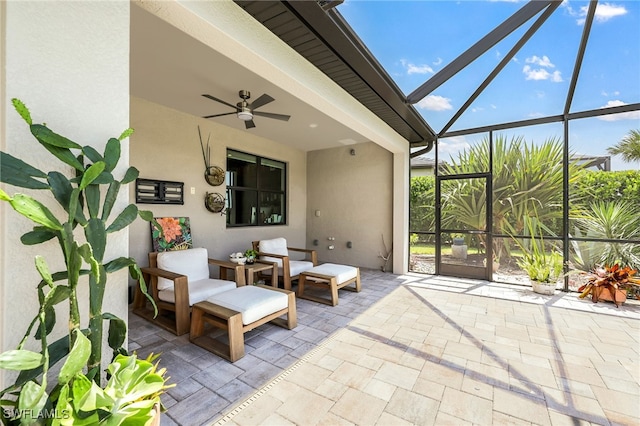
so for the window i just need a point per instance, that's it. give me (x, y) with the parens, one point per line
(256, 190)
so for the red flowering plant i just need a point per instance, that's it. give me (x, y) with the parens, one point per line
(610, 283)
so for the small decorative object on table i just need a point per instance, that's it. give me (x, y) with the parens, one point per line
(610, 283)
(251, 256)
(238, 258)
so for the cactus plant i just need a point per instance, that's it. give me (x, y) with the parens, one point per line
(88, 213)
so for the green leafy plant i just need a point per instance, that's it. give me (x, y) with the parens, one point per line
(251, 253)
(82, 236)
(540, 264)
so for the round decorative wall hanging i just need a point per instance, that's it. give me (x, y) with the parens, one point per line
(214, 202)
(214, 175)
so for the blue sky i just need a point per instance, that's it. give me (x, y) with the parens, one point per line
(413, 40)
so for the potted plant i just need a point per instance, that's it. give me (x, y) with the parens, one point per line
(543, 267)
(82, 237)
(251, 255)
(609, 283)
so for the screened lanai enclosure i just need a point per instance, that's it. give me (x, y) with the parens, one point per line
(534, 115)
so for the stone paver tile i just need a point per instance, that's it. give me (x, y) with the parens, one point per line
(329, 362)
(352, 375)
(369, 362)
(413, 407)
(198, 408)
(429, 389)
(283, 390)
(478, 388)
(451, 335)
(306, 408)
(578, 373)
(466, 406)
(359, 407)
(529, 359)
(519, 372)
(276, 419)
(397, 375)
(389, 419)
(560, 419)
(256, 412)
(444, 419)
(501, 419)
(260, 375)
(613, 371)
(622, 385)
(331, 389)
(576, 406)
(235, 390)
(623, 350)
(465, 351)
(184, 389)
(539, 350)
(576, 388)
(619, 402)
(618, 419)
(308, 375)
(386, 351)
(444, 374)
(488, 374)
(520, 406)
(331, 419)
(380, 389)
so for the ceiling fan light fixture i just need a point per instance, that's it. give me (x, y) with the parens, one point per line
(245, 114)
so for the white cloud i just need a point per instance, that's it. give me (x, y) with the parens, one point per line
(542, 62)
(416, 69)
(604, 12)
(540, 73)
(437, 62)
(435, 103)
(452, 146)
(631, 115)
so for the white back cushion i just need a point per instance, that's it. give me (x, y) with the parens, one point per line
(275, 246)
(192, 262)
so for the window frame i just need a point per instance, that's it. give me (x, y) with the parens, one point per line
(260, 189)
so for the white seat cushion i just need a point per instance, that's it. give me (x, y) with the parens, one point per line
(199, 290)
(295, 268)
(194, 263)
(341, 272)
(274, 246)
(253, 302)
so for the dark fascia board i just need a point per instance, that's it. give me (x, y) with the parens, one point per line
(339, 38)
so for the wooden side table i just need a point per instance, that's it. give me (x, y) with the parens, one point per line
(259, 266)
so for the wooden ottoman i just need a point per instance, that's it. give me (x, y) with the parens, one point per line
(332, 276)
(237, 311)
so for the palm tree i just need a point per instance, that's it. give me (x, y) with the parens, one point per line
(527, 177)
(628, 147)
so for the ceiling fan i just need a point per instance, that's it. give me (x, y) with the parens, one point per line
(246, 111)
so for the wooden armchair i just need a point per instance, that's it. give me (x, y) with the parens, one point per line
(276, 250)
(176, 281)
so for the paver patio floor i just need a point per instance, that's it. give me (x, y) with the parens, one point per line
(417, 350)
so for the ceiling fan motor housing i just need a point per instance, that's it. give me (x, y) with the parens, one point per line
(244, 94)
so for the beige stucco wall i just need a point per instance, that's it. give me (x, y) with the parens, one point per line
(69, 62)
(351, 199)
(166, 146)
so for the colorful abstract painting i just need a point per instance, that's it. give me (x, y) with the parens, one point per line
(176, 234)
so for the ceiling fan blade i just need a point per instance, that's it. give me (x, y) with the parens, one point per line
(261, 101)
(272, 115)
(249, 124)
(219, 115)
(213, 98)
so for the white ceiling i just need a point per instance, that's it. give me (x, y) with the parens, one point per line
(173, 69)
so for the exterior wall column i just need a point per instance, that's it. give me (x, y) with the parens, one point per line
(68, 62)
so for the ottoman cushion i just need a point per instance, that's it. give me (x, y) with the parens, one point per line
(253, 302)
(341, 272)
